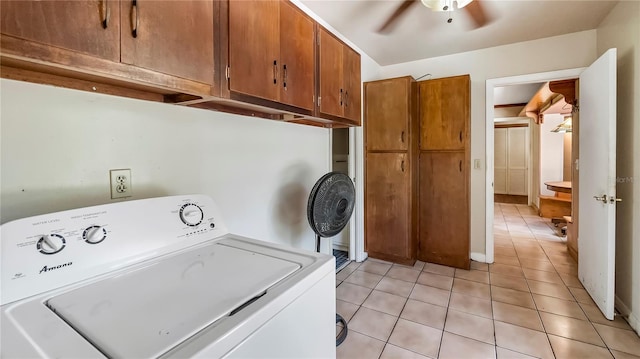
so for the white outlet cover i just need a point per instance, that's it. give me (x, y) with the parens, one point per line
(120, 181)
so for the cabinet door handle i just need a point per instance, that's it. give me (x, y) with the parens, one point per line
(340, 97)
(402, 136)
(460, 165)
(275, 72)
(460, 136)
(135, 19)
(105, 10)
(402, 165)
(284, 76)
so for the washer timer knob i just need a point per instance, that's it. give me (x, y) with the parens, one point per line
(94, 234)
(191, 214)
(51, 244)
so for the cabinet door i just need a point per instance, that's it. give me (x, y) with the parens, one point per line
(387, 114)
(254, 37)
(387, 209)
(172, 37)
(331, 74)
(353, 85)
(444, 209)
(90, 27)
(297, 44)
(444, 113)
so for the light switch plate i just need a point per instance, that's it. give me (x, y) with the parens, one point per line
(120, 183)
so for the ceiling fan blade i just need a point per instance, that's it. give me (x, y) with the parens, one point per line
(478, 13)
(396, 14)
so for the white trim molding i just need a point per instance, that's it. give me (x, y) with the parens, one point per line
(631, 318)
(478, 257)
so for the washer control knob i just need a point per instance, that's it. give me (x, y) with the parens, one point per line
(191, 214)
(94, 234)
(51, 244)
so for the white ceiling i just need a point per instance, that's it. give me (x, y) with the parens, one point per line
(422, 33)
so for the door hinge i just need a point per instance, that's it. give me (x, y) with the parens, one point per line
(318, 40)
(228, 72)
(576, 106)
(319, 101)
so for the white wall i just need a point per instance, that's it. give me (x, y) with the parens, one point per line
(58, 146)
(548, 54)
(551, 153)
(621, 29)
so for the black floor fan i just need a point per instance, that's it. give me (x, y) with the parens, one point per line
(329, 208)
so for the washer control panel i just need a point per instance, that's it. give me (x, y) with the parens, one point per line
(45, 252)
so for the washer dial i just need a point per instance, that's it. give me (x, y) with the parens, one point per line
(94, 234)
(51, 244)
(191, 214)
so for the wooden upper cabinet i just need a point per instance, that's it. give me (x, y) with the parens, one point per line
(387, 114)
(444, 112)
(340, 83)
(331, 74)
(172, 37)
(297, 57)
(352, 73)
(89, 27)
(271, 52)
(254, 36)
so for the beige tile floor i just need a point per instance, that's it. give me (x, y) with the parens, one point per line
(529, 303)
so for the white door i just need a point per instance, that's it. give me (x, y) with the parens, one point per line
(500, 161)
(597, 174)
(518, 160)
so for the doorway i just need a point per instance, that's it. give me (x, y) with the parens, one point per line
(341, 161)
(489, 138)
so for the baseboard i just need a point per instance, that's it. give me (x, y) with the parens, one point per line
(479, 257)
(627, 314)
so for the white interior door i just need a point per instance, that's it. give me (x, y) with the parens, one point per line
(517, 161)
(500, 160)
(597, 174)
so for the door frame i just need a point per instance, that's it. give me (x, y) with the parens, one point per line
(355, 165)
(489, 150)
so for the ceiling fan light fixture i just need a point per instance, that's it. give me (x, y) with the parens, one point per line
(445, 5)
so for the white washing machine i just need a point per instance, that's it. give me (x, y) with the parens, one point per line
(159, 277)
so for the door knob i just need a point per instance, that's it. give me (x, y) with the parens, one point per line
(603, 198)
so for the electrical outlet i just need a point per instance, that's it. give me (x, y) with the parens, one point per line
(120, 183)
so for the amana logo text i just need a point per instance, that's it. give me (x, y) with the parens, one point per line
(49, 269)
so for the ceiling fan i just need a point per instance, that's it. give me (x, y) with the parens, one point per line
(474, 9)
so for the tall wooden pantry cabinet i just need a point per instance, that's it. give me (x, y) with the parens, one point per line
(417, 170)
(390, 169)
(444, 219)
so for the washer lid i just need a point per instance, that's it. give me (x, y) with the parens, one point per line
(149, 310)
